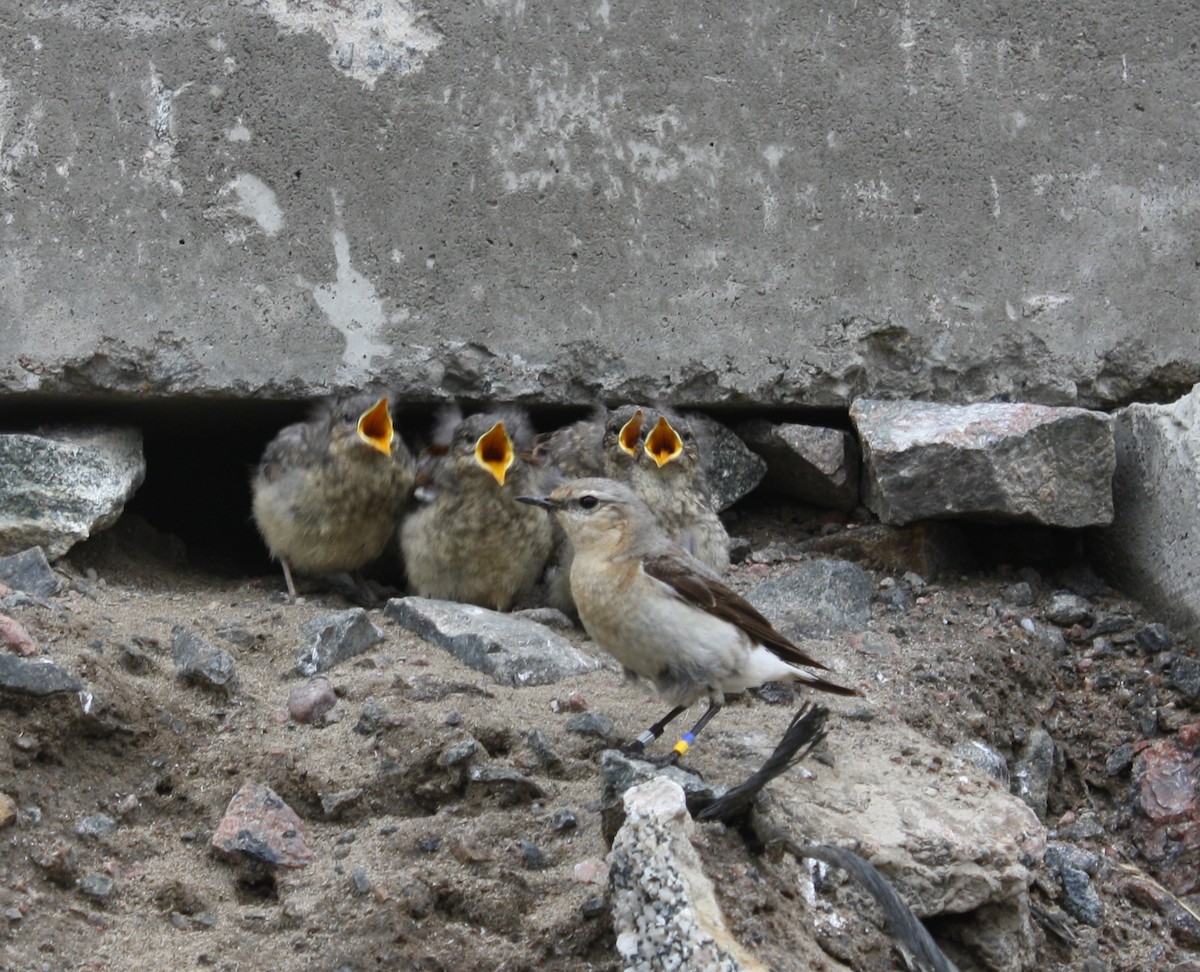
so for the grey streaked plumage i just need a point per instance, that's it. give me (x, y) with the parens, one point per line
(663, 614)
(470, 540)
(668, 474)
(327, 492)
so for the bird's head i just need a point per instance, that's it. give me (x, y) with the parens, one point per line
(596, 512)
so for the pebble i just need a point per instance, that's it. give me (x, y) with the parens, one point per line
(539, 744)
(590, 724)
(309, 702)
(459, 753)
(97, 886)
(563, 820)
(8, 811)
(333, 804)
(259, 825)
(14, 637)
(1153, 638)
(594, 907)
(360, 884)
(591, 871)
(429, 844)
(533, 857)
(452, 718)
(575, 702)
(1069, 609)
(99, 825)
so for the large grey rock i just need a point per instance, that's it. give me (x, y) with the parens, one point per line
(997, 462)
(733, 470)
(807, 462)
(816, 599)
(1152, 549)
(609, 201)
(952, 842)
(59, 486)
(510, 649)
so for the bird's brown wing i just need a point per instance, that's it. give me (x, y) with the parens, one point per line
(714, 597)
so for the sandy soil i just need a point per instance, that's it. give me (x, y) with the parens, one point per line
(427, 870)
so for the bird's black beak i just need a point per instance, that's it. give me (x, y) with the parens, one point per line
(545, 502)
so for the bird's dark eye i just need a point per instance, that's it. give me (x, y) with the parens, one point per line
(588, 502)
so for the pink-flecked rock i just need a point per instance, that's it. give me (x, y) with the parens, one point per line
(1167, 800)
(591, 871)
(310, 701)
(259, 825)
(14, 637)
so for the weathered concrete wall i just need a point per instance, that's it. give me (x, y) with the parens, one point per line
(787, 204)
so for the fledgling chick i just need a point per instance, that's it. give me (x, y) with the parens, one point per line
(327, 491)
(605, 444)
(663, 614)
(471, 541)
(669, 476)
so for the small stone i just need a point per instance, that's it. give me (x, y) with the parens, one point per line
(99, 825)
(1018, 595)
(594, 907)
(29, 571)
(59, 865)
(14, 637)
(1080, 900)
(1119, 760)
(591, 724)
(1184, 676)
(459, 753)
(371, 719)
(307, 703)
(8, 811)
(360, 884)
(539, 744)
(591, 871)
(1154, 638)
(1066, 610)
(34, 677)
(563, 820)
(259, 825)
(575, 702)
(507, 786)
(133, 659)
(334, 805)
(452, 718)
(334, 638)
(429, 844)
(96, 886)
(202, 663)
(533, 857)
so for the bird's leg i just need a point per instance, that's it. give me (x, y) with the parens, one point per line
(287, 576)
(689, 737)
(638, 746)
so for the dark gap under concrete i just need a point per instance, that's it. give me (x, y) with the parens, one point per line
(200, 454)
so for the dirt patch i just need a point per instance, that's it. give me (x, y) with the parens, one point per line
(422, 864)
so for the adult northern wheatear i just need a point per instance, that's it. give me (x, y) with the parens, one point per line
(662, 613)
(327, 491)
